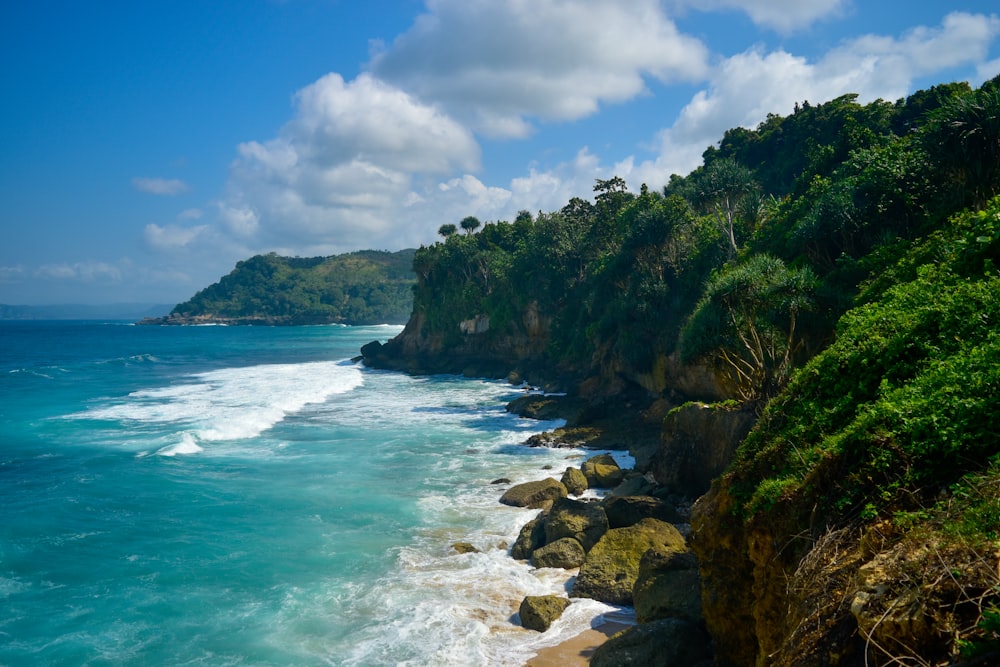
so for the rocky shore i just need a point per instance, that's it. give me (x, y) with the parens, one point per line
(622, 531)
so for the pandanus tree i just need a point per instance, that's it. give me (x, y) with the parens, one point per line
(747, 323)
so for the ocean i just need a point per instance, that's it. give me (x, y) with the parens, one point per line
(251, 496)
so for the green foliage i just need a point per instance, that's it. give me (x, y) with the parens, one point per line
(904, 402)
(365, 287)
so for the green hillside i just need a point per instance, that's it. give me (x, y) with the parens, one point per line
(365, 287)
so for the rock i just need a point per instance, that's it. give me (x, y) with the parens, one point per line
(539, 612)
(612, 565)
(500, 480)
(464, 548)
(697, 444)
(531, 537)
(534, 494)
(670, 642)
(668, 586)
(629, 510)
(574, 481)
(584, 521)
(566, 553)
(634, 485)
(371, 350)
(602, 472)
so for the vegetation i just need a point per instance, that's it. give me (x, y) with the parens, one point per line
(366, 287)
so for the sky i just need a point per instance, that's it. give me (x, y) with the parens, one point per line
(146, 147)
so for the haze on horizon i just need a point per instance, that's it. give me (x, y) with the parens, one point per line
(147, 147)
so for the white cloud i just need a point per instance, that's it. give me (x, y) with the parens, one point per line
(85, 272)
(781, 15)
(190, 214)
(159, 186)
(498, 65)
(341, 168)
(170, 237)
(11, 274)
(746, 87)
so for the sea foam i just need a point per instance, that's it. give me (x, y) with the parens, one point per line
(229, 403)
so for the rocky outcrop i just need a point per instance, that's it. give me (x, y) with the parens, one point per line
(668, 586)
(539, 612)
(624, 511)
(534, 494)
(670, 642)
(698, 442)
(612, 566)
(575, 481)
(531, 537)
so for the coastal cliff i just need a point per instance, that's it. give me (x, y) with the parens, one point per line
(823, 389)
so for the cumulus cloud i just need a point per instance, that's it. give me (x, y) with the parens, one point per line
(11, 274)
(781, 15)
(159, 186)
(497, 65)
(339, 170)
(747, 86)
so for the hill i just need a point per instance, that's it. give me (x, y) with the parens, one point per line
(364, 287)
(114, 311)
(832, 275)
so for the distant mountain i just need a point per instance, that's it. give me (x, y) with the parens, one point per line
(114, 311)
(364, 287)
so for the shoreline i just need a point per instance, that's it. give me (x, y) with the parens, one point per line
(577, 651)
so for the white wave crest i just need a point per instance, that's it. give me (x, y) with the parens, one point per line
(231, 403)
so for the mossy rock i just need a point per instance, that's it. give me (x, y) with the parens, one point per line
(575, 481)
(584, 521)
(635, 484)
(566, 553)
(623, 511)
(612, 566)
(602, 472)
(464, 548)
(534, 494)
(669, 586)
(531, 537)
(539, 612)
(670, 642)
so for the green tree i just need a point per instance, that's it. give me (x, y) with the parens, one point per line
(447, 230)
(470, 224)
(722, 189)
(747, 323)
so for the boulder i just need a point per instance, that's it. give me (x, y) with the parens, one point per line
(697, 444)
(670, 642)
(612, 566)
(629, 510)
(584, 521)
(534, 494)
(575, 481)
(531, 537)
(668, 586)
(566, 553)
(538, 612)
(602, 472)
(464, 548)
(634, 484)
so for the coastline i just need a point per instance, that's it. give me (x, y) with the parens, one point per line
(577, 651)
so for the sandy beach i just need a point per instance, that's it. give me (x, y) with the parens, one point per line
(576, 652)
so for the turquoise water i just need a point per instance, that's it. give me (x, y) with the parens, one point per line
(249, 496)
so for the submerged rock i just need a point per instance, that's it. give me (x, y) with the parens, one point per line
(539, 612)
(534, 494)
(464, 548)
(612, 566)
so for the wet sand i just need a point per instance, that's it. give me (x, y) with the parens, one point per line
(576, 652)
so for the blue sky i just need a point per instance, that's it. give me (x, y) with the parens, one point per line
(145, 147)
